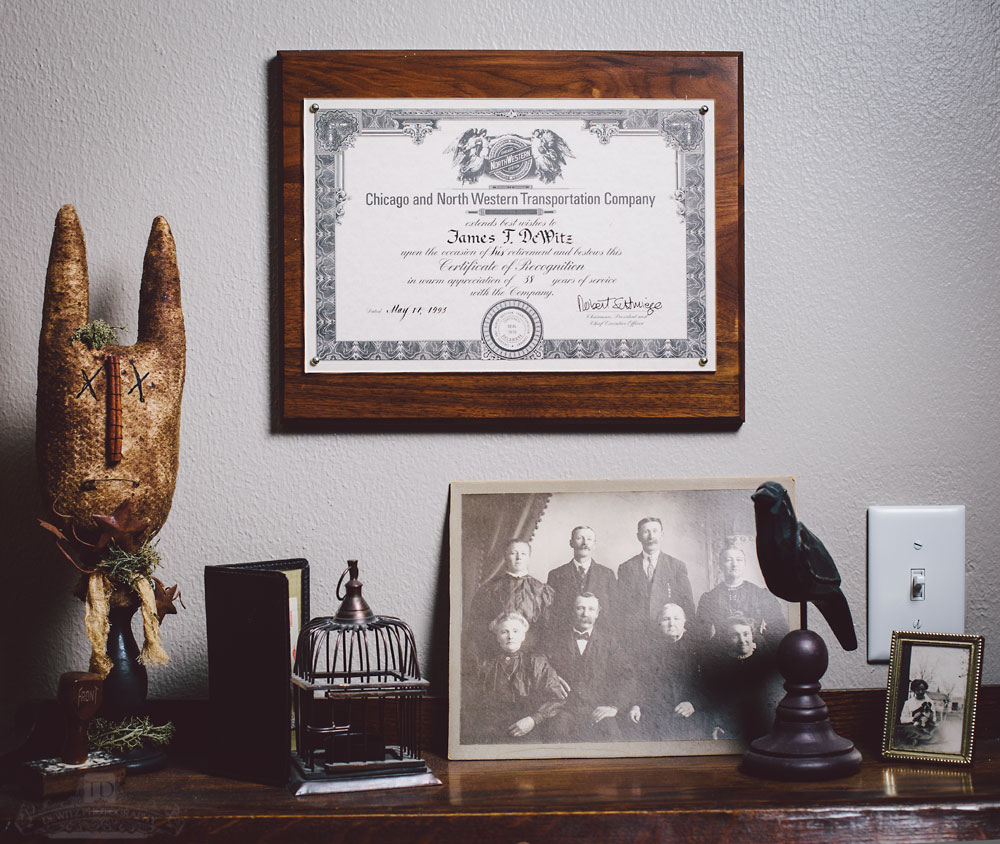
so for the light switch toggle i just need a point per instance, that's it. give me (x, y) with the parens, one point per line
(904, 541)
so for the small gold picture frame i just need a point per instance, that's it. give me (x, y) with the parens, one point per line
(930, 710)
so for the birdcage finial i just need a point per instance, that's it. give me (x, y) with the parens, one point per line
(354, 608)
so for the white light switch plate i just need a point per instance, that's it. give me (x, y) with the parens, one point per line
(905, 543)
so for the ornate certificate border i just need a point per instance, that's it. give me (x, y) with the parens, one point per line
(333, 128)
(709, 388)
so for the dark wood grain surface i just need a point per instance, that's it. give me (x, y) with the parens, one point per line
(683, 399)
(697, 799)
(677, 799)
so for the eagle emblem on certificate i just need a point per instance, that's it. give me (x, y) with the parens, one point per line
(509, 158)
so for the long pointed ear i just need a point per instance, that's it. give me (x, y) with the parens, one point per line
(67, 294)
(160, 318)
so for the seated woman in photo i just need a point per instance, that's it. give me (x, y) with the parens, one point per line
(513, 692)
(737, 672)
(668, 702)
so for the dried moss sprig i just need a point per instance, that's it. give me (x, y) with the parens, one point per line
(128, 734)
(127, 567)
(97, 334)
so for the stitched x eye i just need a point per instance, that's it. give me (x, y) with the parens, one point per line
(88, 383)
(138, 381)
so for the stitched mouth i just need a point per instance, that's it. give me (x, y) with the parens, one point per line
(90, 484)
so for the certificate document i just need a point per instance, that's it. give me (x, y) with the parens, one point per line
(472, 235)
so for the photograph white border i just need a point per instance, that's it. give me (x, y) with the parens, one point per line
(636, 498)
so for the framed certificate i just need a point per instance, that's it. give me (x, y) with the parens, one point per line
(492, 236)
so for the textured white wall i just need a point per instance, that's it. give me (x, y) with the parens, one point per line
(872, 249)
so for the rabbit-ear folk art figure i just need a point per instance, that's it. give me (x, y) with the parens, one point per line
(108, 432)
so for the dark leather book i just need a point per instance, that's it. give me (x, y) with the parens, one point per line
(253, 614)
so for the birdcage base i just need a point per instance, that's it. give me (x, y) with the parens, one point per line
(334, 777)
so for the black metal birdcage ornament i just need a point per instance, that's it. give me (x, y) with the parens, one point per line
(357, 691)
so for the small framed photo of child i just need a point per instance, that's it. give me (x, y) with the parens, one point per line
(930, 711)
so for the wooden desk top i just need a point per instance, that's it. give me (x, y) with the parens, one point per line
(703, 799)
(552, 801)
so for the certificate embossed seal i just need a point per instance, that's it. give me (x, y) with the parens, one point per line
(512, 330)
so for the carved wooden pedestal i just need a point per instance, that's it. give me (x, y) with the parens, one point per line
(802, 744)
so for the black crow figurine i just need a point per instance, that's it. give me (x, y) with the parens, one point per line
(796, 565)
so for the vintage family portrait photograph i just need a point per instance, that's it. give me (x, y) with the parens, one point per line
(609, 618)
(931, 697)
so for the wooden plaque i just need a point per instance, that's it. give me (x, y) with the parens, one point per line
(710, 396)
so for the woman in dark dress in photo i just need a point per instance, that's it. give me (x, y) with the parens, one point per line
(737, 596)
(668, 704)
(511, 590)
(737, 671)
(513, 692)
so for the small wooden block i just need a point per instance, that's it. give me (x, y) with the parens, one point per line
(103, 772)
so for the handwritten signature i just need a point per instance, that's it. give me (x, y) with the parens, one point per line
(619, 303)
